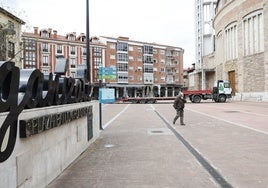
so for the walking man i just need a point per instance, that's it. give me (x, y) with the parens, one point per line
(179, 106)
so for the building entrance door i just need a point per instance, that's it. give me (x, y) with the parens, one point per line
(231, 75)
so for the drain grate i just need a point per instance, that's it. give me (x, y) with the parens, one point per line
(157, 131)
(231, 111)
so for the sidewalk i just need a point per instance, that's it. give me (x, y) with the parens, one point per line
(138, 148)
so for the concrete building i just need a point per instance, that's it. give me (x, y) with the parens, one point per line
(239, 52)
(204, 43)
(143, 69)
(241, 48)
(10, 32)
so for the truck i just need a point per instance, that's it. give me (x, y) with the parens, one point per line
(219, 93)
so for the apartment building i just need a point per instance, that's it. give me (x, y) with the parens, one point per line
(10, 31)
(45, 47)
(143, 69)
(241, 48)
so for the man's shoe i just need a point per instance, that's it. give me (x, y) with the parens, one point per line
(173, 122)
(182, 124)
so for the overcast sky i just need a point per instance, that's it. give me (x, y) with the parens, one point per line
(168, 22)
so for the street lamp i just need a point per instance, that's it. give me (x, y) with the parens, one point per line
(88, 42)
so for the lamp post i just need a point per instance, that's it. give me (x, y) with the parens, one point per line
(88, 42)
(88, 61)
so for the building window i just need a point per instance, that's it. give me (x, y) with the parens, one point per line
(30, 44)
(130, 48)
(59, 49)
(148, 68)
(72, 62)
(84, 51)
(97, 62)
(122, 67)
(84, 61)
(122, 57)
(45, 60)
(112, 56)
(71, 37)
(131, 58)
(30, 59)
(139, 49)
(97, 51)
(122, 46)
(148, 50)
(148, 59)
(231, 42)
(72, 50)
(122, 78)
(11, 50)
(45, 34)
(45, 47)
(253, 33)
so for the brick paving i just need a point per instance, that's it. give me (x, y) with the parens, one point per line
(139, 147)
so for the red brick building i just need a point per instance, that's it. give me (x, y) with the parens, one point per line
(43, 48)
(142, 69)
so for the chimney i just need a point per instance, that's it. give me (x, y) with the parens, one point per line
(36, 30)
(55, 34)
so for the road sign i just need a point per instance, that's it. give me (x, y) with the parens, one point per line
(107, 73)
(106, 95)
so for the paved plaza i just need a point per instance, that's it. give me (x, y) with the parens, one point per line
(222, 145)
